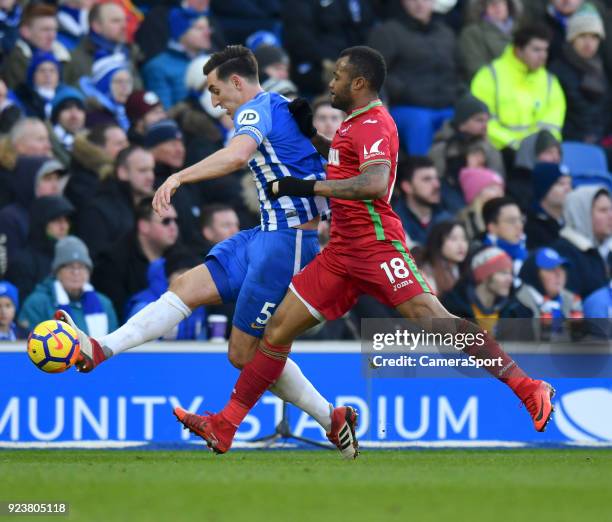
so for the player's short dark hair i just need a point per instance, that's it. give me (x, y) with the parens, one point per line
(492, 208)
(368, 63)
(124, 155)
(407, 168)
(234, 59)
(207, 213)
(528, 32)
(97, 135)
(144, 210)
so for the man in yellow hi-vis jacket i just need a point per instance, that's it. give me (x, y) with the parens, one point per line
(522, 96)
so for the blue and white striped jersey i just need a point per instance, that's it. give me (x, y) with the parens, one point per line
(282, 151)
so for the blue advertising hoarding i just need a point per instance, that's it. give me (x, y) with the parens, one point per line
(131, 397)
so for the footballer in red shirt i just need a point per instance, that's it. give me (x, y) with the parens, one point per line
(367, 253)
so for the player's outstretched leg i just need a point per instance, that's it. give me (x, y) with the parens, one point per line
(192, 289)
(534, 394)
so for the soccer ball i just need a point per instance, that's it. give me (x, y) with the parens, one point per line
(53, 346)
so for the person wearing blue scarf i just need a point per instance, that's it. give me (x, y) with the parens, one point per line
(69, 289)
(504, 225)
(73, 23)
(42, 82)
(190, 36)
(110, 84)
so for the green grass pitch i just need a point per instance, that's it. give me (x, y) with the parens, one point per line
(434, 485)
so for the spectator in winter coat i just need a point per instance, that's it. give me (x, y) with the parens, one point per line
(107, 89)
(190, 36)
(422, 83)
(69, 289)
(10, 15)
(543, 296)
(9, 304)
(37, 33)
(49, 222)
(107, 35)
(551, 185)
(419, 206)
(488, 31)
(111, 213)
(583, 78)
(316, 32)
(67, 120)
(522, 96)
(462, 142)
(586, 239)
(36, 94)
(143, 108)
(478, 186)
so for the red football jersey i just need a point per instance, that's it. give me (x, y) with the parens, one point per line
(367, 136)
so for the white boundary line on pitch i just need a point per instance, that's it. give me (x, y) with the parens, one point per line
(449, 444)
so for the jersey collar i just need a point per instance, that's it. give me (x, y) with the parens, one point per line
(361, 110)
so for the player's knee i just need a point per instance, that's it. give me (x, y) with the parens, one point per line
(239, 356)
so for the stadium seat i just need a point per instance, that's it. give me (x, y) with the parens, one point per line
(584, 158)
(593, 178)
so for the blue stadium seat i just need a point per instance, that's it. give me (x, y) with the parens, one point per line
(593, 178)
(583, 158)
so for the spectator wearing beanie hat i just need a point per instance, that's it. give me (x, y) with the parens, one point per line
(190, 36)
(581, 72)
(49, 221)
(273, 62)
(462, 142)
(484, 296)
(165, 141)
(551, 185)
(42, 82)
(67, 120)
(9, 304)
(143, 108)
(108, 88)
(69, 289)
(478, 185)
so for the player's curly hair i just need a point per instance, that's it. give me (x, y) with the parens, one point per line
(368, 63)
(234, 59)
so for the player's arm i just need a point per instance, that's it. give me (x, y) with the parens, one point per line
(372, 183)
(302, 113)
(223, 162)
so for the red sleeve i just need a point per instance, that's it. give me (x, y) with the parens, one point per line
(373, 143)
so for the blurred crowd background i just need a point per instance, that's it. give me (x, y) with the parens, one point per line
(503, 109)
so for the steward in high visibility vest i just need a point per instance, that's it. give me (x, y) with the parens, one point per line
(522, 96)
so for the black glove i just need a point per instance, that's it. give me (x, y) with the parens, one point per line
(301, 111)
(290, 187)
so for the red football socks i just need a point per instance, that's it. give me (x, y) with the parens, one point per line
(256, 377)
(508, 372)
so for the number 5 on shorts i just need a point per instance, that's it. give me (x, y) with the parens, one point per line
(266, 312)
(399, 269)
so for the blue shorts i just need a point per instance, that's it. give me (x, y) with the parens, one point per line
(254, 268)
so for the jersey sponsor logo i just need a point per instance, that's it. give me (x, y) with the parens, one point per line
(248, 117)
(343, 130)
(370, 121)
(333, 158)
(367, 154)
(257, 326)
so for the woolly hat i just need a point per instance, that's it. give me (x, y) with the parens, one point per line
(38, 58)
(104, 68)
(180, 21)
(544, 176)
(585, 20)
(545, 140)
(9, 290)
(139, 103)
(474, 180)
(48, 167)
(68, 250)
(194, 75)
(259, 38)
(489, 261)
(467, 107)
(162, 131)
(64, 97)
(270, 54)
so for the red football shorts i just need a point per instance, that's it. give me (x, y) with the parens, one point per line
(331, 283)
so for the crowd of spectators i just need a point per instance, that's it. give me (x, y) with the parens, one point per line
(100, 101)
